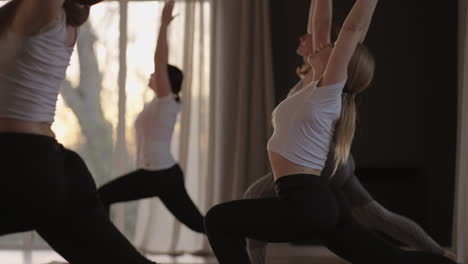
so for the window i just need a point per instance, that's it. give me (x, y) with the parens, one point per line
(88, 108)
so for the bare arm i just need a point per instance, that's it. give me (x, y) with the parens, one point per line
(32, 15)
(354, 30)
(161, 83)
(320, 22)
(364, 34)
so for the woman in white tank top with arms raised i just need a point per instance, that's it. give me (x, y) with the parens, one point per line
(320, 108)
(45, 187)
(364, 208)
(304, 125)
(158, 175)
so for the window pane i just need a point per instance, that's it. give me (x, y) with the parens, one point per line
(11, 257)
(12, 240)
(87, 108)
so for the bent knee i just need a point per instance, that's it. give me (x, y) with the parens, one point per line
(214, 217)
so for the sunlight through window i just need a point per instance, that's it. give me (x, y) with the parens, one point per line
(87, 108)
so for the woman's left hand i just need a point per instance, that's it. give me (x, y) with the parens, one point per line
(167, 16)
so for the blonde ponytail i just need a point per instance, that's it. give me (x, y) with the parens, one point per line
(344, 130)
(360, 75)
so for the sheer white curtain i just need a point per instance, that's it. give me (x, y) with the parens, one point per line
(461, 197)
(243, 95)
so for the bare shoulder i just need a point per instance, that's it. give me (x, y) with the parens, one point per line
(31, 16)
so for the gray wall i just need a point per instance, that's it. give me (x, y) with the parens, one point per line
(407, 119)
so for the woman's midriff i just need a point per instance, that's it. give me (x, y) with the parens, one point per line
(283, 167)
(27, 127)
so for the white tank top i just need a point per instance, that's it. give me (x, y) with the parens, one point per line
(154, 127)
(29, 84)
(304, 124)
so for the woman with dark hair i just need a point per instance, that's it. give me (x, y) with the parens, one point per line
(319, 109)
(44, 186)
(158, 175)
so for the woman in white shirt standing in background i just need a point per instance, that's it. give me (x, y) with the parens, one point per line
(158, 175)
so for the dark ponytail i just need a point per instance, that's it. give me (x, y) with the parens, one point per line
(77, 13)
(176, 78)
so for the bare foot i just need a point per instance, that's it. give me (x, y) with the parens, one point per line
(449, 254)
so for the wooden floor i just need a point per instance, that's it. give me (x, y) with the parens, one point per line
(277, 254)
(288, 260)
(288, 254)
(278, 260)
(306, 260)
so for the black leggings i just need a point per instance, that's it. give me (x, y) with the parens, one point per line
(304, 208)
(47, 188)
(353, 242)
(166, 184)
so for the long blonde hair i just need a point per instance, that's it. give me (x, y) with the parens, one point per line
(303, 70)
(360, 74)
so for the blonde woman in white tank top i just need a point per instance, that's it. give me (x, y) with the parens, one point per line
(158, 174)
(305, 207)
(44, 186)
(304, 123)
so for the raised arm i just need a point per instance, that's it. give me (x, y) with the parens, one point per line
(353, 32)
(32, 15)
(161, 84)
(320, 22)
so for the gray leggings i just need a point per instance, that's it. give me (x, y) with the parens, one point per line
(365, 210)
